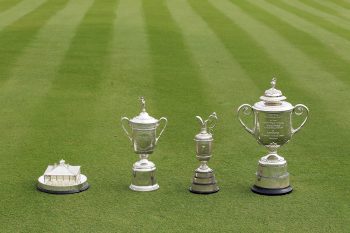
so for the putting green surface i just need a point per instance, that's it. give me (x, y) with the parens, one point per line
(70, 69)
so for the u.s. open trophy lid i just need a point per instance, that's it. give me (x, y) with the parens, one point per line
(62, 178)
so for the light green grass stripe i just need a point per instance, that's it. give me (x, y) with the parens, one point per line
(38, 64)
(16, 12)
(340, 45)
(307, 74)
(177, 82)
(336, 21)
(17, 36)
(216, 64)
(334, 8)
(313, 48)
(30, 79)
(6, 4)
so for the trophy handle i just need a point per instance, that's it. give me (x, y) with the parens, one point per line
(299, 110)
(124, 128)
(165, 124)
(247, 110)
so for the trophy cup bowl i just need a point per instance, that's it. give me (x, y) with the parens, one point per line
(204, 181)
(143, 137)
(272, 128)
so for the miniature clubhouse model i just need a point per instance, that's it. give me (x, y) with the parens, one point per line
(62, 178)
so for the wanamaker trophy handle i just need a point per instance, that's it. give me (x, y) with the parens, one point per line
(165, 124)
(247, 110)
(123, 120)
(299, 110)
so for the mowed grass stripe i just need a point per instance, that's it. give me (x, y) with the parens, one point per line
(71, 100)
(178, 92)
(328, 22)
(226, 84)
(60, 125)
(252, 60)
(17, 36)
(310, 46)
(326, 16)
(342, 3)
(327, 7)
(340, 11)
(31, 76)
(6, 4)
(18, 11)
(333, 41)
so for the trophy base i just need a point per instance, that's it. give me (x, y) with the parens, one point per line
(204, 182)
(144, 176)
(272, 175)
(271, 192)
(69, 189)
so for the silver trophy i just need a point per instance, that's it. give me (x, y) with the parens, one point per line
(204, 181)
(143, 137)
(272, 127)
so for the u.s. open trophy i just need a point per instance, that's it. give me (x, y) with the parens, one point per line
(143, 137)
(272, 127)
(204, 181)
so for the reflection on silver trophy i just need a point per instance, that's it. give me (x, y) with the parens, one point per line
(272, 127)
(143, 137)
(204, 181)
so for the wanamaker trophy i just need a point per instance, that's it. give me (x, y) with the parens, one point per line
(272, 128)
(204, 181)
(143, 137)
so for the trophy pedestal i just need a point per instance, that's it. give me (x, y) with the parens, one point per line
(143, 176)
(272, 177)
(204, 182)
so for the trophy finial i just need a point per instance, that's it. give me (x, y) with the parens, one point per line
(143, 104)
(273, 82)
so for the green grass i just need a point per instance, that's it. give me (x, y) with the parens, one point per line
(69, 69)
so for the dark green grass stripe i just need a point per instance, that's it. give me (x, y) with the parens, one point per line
(177, 83)
(63, 121)
(320, 7)
(15, 37)
(85, 60)
(320, 21)
(342, 3)
(6, 4)
(252, 58)
(312, 47)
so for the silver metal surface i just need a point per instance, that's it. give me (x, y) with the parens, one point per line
(76, 188)
(143, 137)
(272, 128)
(204, 181)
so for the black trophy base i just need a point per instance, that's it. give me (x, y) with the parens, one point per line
(203, 192)
(272, 192)
(82, 189)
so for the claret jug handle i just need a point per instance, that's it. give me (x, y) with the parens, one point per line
(247, 110)
(123, 120)
(165, 124)
(299, 110)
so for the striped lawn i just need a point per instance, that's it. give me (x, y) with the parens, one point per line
(69, 69)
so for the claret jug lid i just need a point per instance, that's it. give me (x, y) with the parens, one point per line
(273, 100)
(143, 117)
(206, 128)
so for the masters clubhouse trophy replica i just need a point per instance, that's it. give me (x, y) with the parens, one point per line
(62, 178)
(272, 128)
(144, 139)
(204, 181)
